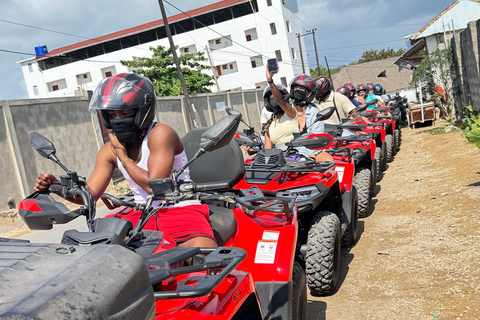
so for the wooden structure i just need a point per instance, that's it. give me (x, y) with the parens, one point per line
(421, 113)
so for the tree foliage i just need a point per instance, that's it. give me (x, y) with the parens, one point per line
(471, 125)
(367, 56)
(161, 69)
(373, 55)
(437, 68)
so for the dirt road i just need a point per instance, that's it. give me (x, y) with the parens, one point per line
(426, 216)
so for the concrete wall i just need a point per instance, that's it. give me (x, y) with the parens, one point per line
(466, 57)
(76, 133)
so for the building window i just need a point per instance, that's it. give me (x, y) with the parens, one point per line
(189, 49)
(273, 29)
(440, 38)
(294, 56)
(220, 43)
(30, 68)
(55, 87)
(108, 74)
(83, 78)
(269, 3)
(288, 26)
(278, 55)
(35, 90)
(256, 61)
(228, 68)
(284, 81)
(251, 34)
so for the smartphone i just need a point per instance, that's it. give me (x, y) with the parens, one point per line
(272, 65)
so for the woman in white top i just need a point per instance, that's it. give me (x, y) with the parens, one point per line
(284, 122)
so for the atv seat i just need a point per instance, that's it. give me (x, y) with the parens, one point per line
(224, 164)
(223, 222)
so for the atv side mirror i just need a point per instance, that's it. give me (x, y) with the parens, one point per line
(325, 114)
(232, 112)
(362, 107)
(43, 146)
(220, 134)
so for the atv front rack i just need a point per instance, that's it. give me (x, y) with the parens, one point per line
(305, 166)
(253, 201)
(160, 268)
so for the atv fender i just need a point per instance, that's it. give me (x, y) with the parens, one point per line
(346, 213)
(275, 299)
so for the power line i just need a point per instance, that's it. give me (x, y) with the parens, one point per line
(44, 29)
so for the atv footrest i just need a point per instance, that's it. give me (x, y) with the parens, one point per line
(160, 268)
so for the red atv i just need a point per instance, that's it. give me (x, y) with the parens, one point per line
(327, 214)
(144, 275)
(380, 133)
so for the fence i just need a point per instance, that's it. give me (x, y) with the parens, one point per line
(77, 133)
(466, 57)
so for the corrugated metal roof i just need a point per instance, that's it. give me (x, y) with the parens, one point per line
(461, 12)
(143, 27)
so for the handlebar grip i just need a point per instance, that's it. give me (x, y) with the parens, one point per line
(55, 188)
(211, 186)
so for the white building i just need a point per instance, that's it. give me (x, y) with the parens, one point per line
(240, 36)
(438, 33)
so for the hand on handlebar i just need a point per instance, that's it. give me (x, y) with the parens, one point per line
(43, 181)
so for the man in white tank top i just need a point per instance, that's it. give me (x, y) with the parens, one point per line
(142, 150)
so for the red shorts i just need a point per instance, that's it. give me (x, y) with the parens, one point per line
(180, 223)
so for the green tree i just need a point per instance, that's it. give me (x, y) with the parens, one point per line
(437, 68)
(324, 71)
(373, 55)
(160, 68)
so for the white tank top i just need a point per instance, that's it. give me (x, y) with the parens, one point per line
(141, 195)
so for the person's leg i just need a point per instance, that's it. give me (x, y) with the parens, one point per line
(323, 156)
(202, 242)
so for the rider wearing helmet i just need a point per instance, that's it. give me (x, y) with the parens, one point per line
(352, 90)
(328, 98)
(361, 92)
(370, 87)
(280, 128)
(142, 150)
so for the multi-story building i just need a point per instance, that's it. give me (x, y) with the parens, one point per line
(238, 35)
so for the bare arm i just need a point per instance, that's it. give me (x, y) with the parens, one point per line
(291, 112)
(268, 142)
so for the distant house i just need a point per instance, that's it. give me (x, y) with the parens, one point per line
(438, 32)
(383, 72)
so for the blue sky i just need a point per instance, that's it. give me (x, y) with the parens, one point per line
(345, 28)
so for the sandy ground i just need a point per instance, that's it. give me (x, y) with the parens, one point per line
(426, 214)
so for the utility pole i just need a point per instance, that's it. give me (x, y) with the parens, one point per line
(315, 45)
(213, 69)
(190, 109)
(301, 54)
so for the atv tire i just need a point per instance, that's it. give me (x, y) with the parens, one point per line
(384, 156)
(299, 296)
(378, 160)
(373, 177)
(323, 253)
(398, 139)
(389, 145)
(351, 233)
(361, 182)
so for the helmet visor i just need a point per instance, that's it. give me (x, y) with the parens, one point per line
(117, 93)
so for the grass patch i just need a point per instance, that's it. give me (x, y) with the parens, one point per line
(444, 129)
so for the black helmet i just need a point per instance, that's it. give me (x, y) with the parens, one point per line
(306, 82)
(345, 91)
(370, 86)
(122, 92)
(378, 90)
(352, 89)
(323, 87)
(267, 97)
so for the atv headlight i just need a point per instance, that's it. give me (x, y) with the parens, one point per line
(305, 193)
